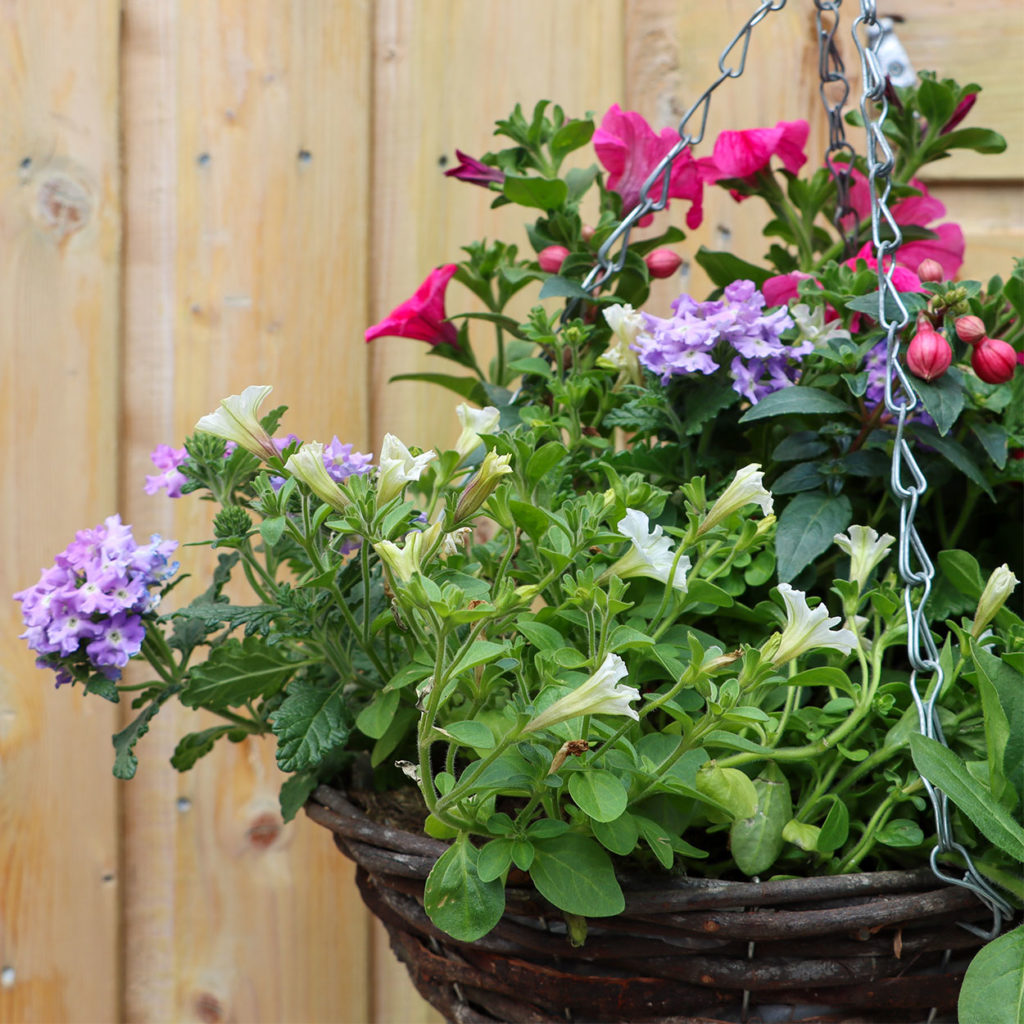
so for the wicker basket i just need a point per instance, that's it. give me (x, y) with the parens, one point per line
(882, 946)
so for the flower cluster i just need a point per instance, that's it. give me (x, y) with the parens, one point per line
(86, 610)
(684, 343)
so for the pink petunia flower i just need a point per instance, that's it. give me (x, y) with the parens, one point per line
(629, 149)
(422, 317)
(474, 171)
(923, 210)
(742, 154)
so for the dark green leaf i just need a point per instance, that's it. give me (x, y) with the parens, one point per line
(869, 304)
(457, 899)
(295, 791)
(599, 794)
(981, 140)
(993, 439)
(806, 528)
(541, 193)
(943, 399)
(993, 988)
(620, 836)
(953, 452)
(195, 745)
(835, 828)
(310, 724)
(803, 477)
(125, 761)
(236, 672)
(531, 518)
(576, 875)
(796, 400)
(804, 444)
(556, 287)
(467, 387)
(962, 570)
(723, 268)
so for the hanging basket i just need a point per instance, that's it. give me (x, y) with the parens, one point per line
(882, 946)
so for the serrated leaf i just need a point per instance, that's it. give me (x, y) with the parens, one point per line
(310, 724)
(195, 745)
(125, 761)
(236, 672)
(806, 528)
(796, 400)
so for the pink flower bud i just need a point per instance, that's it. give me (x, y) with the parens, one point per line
(662, 262)
(928, 354)
(587, 232)
(552, 258)
(970, 329)
(929, 270)
(994, 360)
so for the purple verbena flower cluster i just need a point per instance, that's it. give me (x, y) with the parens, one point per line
(167, 459)
(683, 344)
(86, 610)
(876, 367)
(341, 462)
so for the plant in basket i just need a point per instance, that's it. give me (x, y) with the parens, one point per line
(655, 642)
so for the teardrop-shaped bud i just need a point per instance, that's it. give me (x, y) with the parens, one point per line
(551, 258)
(928, 354)
(662, 262)
(930, 270)
(994, 360)
(970, 329)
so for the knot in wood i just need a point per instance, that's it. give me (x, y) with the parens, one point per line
(263, 831)
(63, 205)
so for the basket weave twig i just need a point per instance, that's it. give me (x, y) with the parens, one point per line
(881, 946)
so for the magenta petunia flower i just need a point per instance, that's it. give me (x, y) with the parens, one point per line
(742, 154)
(422, 317)
(474, 171)
(629, 149)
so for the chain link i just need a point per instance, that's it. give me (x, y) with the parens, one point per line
(908, 482)
(607, 266)
(834, 90)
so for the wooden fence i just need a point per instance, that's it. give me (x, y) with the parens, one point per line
(197, 195)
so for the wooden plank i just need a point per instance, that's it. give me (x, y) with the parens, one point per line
(60, 223)
(432, 55)
(247, 135)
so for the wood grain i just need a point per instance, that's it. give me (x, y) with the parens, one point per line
(60, 222)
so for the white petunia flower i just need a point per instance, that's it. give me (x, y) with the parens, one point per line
(626, 324)
(651, 554)
(813, 329)
(406, 560)
(474, 423)
(237, 420)
(999, 587)
(866, 549)
(307, 465)
(601, 694)
(397, 467)
(746, 488)
(482, 485)
(808, 629)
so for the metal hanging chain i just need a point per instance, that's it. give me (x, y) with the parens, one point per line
(908, 482)
(606, 265)
(834, 90)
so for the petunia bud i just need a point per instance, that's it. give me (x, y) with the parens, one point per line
(928, 354)
(999, 587)
(970, 329)
(552, 258)
(587, 232)
(662, 262)
(994, 360)
(929, 270)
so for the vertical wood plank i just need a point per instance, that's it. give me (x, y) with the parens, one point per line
(60, 224)
(248, 140)
(445, 70)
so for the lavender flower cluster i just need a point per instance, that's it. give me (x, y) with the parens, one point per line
(86, 610)
(340, 461)
(877, 369)
(684, 343)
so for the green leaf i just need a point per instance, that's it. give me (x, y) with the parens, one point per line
(936, 101)
(1002, 700)
(540, 193)
(993, 988)
(834, 829)
(576, 875)
(942, 768)
(544, 460)
(796, 400)
(272, 529)
(723, 268)
(531, 518)
(374, 719)
(804, 444)
(805, 476)
(480, 652)
(704, 403)
(953, 452)
(195, 745)
(495, 859)
(658, 839)
(900, 833)
(943, 399)
(981, 140)
(599, 794)
(806, 528)
(542, 636)
(295, 791)
(729, 788)
(572, 135)
(457, 899)
(704, 592)
(756, 841)
(125, 761)
(401, 724)
(962, 570)
(620, 835)
(236, 672)
(823, 675)
(471, 734)
(993, 439)
(556, 287)
(869, 304)
(467, 387)
(309, 725)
